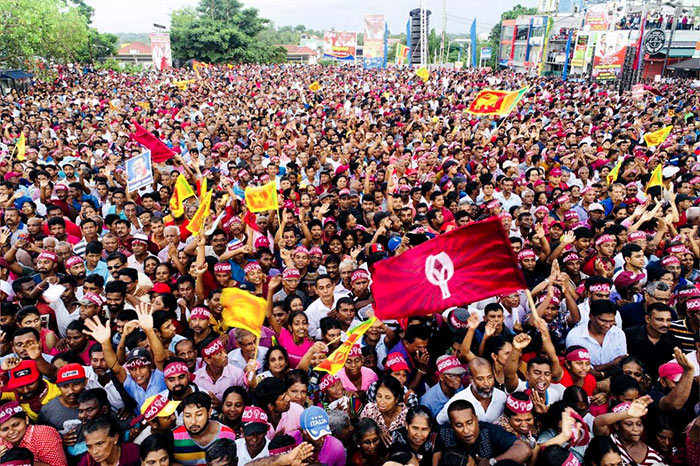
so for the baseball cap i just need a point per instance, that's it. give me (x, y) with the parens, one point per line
(254, 420)
(396, 362)
(91, 298)
(158, 406)
(314, 421)
(627, 278)
(596, 206)
(8, 410)
(458, 319)
(448, 364)
(137, 357)
(24, 374)
(671, 370)
(70, 373)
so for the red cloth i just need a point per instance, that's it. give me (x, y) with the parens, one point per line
(467, 264)
(589, 382)
(159, 151)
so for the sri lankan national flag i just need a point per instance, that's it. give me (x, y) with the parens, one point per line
(21, 147)
(181, 191)
(656, 178)
(197, 222)
(260, 199)
(615, 172)
(657, 137)
(336, 360)
(495, 102)
(243, 310)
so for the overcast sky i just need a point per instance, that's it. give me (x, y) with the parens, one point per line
(139, 15)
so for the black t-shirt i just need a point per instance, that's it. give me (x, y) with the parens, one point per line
(493, 441)
(425, 452)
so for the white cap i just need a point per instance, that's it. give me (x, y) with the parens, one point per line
(670, 171)
(596, 206)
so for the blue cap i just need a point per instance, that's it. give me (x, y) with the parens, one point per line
(394, 243)
(314, 421)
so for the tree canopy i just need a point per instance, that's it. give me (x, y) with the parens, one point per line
(221, 31)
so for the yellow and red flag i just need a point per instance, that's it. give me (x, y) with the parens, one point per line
(243, 310)
(202, 188)
(656, 178)
(262, 198)
(495, 102)
(182, 85)
(423, 73)
(196, 224)
(314, 86)
(336, 360)
(614, 173)
(181, 191)
(401, 54)
(657, 137)
(21, 147)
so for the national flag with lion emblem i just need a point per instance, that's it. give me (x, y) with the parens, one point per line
(260, 199)
(466, 265)
(336, 360)
(495, 102)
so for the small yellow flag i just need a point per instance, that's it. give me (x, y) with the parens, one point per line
(243, 310)
(182, 85)
(314, 86)
(656, 178)
(260, 199)
(336, 360)
(197, 222)
(423, 73)
(657, 137)
(21, 147)
(614, 173)
(181, 191)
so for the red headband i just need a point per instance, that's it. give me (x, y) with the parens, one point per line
(693, 304)
(200, 313)
(578, 355)
(212, 348)
(519, 406)
(599, 288)
(526, 254)
(138, 362)
(175, 368)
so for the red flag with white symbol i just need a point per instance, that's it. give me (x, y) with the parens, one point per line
(466, 265)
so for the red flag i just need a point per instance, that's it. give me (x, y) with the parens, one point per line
(467, 264)
(159, 151)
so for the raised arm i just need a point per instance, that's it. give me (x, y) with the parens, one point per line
(102, 335)
(510, 371)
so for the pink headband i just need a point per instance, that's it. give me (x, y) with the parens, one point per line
(48, 255)
(678, 249)
(138, 362)
(493, 204)
(175, 368)
(301, 250)
(571, 460)
(519, 406)
(578, 355)
(212, 348)
(359, 274)
(250, 266)
(200, 313)
(669, 260)
(316, 251)
(599, 288)
(222, 267)
(621, 408)
(605, 239)
(355, 351)
(290, 273)
(73, 260)
(693, 304)
(526, 254)
(327, 381)
(571, 257)
(636, 235)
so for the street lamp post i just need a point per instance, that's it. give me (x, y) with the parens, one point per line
(676, 14)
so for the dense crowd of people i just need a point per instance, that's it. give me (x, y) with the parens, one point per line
(112, 342)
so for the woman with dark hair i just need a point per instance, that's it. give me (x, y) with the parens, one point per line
(388, 411)
(562, 426)
(370, 449)
(154, 452)
(417, 434)
(664, 438)
(518, 418)
(43, 441)
(104, 448)
(276, 363)
(294, 336)
(297, 382)
(233, 403)
(602, 452)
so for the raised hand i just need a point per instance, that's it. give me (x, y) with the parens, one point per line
(638, 408)
(683, 360)
(490, 329)
(145, 318)
(99, 332)
(521, 340)
(473, 321)
(568, 238)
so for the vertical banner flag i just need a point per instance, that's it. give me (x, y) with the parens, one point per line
(160, 51)
(565, 74)
(580, 45)
(243, 310)
(260, 199)
(408, 41)
(373, 50)
(656, 178)
(336, 360)
(597, 18)
(401, 54)
(21, 146)
(472, 36)
(466, 265)
(610, 55)
(139, 172)
(340, 45)
(615, 172)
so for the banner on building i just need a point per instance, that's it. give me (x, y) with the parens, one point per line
(374, 37)
(160, 50)
(597, 18)
(610, 55)
(580, 46)
(340, 45)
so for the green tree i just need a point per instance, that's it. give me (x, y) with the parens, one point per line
(495, 35)
(221, 31)
(46, 29)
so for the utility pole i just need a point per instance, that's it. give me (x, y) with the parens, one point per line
(423, 33)
(444, 26)
(676, 14)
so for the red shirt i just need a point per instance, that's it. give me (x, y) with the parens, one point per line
(589, 382)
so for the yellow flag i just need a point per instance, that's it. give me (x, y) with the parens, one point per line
(615, 172)
(656, 178)
(144, 105)
(243, 310)
(657, 137)
(314, 86)
(182, 85)
(336, 360)
(181, 191)
(21, 147)
(202, 188)
(197, 222)
(260, 199)
(195, 67)
(423, 73)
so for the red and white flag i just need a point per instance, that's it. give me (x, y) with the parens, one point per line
(466, 265)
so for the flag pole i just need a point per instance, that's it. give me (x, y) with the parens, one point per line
(531, 302)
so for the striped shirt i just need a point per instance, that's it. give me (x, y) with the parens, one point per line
(652, 457)
(683, 335)
(187, 451)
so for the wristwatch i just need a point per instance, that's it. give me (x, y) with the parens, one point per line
(493, 461)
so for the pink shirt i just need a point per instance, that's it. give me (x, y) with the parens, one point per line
(368, 378)
(296, 352)
(289, 422)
